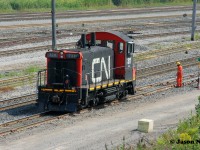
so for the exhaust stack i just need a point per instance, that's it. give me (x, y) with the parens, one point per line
(83, 40)
(93, 39)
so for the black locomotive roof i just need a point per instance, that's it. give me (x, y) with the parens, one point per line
(90, 49)
(121, 35)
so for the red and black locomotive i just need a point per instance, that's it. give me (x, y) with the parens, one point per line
(100, 69)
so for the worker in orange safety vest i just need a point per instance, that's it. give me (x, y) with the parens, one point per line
(179, 74)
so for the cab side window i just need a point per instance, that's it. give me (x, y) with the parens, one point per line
(130, 48)
(120, 47)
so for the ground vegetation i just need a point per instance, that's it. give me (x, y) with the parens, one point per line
(44, 5)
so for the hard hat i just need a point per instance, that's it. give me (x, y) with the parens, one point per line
(178, 63)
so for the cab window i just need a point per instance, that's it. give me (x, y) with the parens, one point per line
(120, 47)
(130, 48)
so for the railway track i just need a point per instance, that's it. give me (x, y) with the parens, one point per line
(34, 49)
(24, 123)
(160, 87)
(85, 22)
(17, 102)
(77, 14)
(166, 51)
(164, 68)
(16, 80)
(39, 38)
(160, 35)
(44, 35)
(141, 74)
(45, 117)
(73, 44)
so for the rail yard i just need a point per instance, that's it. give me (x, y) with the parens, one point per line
(161, 37)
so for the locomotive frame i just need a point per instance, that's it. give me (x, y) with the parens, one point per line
(100, 69)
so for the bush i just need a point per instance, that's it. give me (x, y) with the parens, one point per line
(5, 5)
(117, 2)
(197, 108)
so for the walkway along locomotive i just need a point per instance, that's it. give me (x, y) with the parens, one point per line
(100, 69)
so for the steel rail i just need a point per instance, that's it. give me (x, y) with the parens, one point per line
(163, 68)
(142, 36)
(86, 22)
(161, 89)
(33, 101)
(33, 49)
(165, 51)
(73, 44)
(8, 130)
(43, 38)
(71, 14)
(2, 102)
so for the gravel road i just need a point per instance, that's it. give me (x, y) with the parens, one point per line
(108, 128)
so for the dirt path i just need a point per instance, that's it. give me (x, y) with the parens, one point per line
(94, 133)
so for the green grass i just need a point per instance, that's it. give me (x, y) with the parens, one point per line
(196, 36)
(187, 130)
(45, 5)
(27, 71)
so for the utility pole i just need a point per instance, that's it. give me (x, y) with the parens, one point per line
(193, 19)
(53, 5)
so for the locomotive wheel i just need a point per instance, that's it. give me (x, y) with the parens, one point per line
(120, 95)
(133, 91)
(94, 102)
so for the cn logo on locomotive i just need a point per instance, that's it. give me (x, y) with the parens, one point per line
(103, 68)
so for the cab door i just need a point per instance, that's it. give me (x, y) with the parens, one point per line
(129, 62)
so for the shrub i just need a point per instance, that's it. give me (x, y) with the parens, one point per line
(197, 108)
(5, 5)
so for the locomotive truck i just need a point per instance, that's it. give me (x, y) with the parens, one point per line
(101, 68)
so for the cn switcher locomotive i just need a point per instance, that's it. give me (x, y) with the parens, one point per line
(101, 68)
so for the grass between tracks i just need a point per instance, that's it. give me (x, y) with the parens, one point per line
(185, 137)
(30, 71)
(45, 5)
(27, 71)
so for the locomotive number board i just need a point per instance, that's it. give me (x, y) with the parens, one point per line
(72, 56)
(52, 55)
